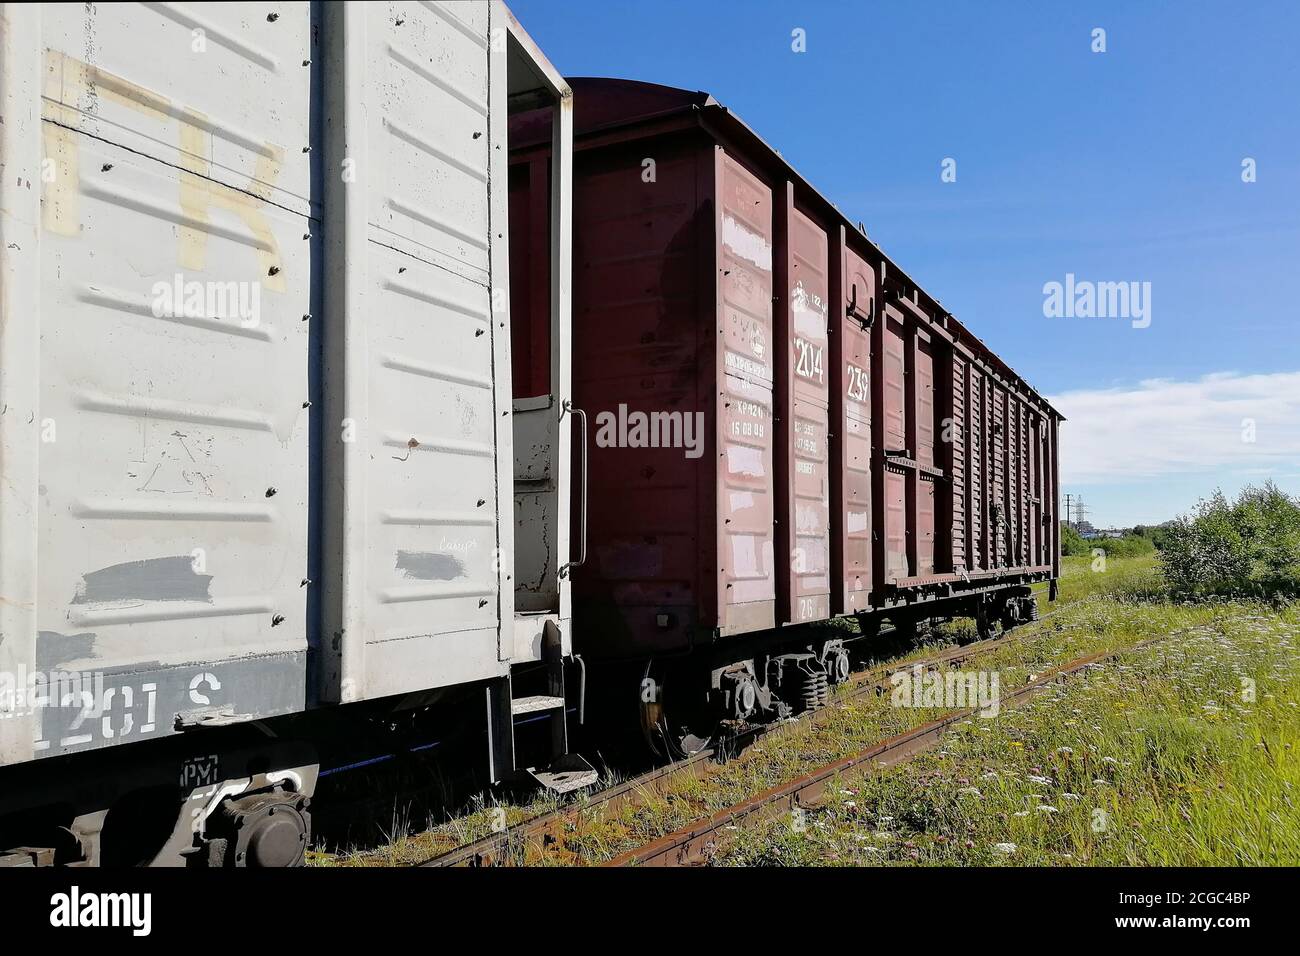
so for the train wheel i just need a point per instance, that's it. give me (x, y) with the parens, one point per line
(671, 727)
(839, 666)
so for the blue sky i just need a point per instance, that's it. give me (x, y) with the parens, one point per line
(1122, 166)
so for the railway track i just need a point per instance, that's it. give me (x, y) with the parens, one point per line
(542, 837)
(698, 842)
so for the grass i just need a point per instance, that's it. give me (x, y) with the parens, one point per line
(408, 845)
(1183, 754)
(1107, 607)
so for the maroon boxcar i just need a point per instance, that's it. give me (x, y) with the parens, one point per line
(786, 427)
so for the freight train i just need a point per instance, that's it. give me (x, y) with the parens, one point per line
(358, 370)
(863, 454)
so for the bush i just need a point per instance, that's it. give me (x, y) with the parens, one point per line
(1159, 533)
(1247, 548)
(1072, 542)
(1129, 546)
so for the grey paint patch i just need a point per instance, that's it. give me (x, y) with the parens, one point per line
(53, 648)
(155, 579)
(430, 565)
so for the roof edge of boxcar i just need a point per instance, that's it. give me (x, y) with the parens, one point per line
(606, 104)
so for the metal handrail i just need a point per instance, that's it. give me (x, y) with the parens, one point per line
(582, 506)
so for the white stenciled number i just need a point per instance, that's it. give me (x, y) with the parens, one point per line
(857, 384)
(87, 700)
(808, 363)
(128, 721)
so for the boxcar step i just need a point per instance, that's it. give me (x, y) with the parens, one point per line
(535, 704)
(565, 774)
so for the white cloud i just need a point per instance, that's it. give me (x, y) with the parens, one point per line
(1161, 428)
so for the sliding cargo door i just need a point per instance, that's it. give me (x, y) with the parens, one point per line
(914, 354)
(959, 462)
(893, 385)
(418, 438)
(926, 497)
(999, 485)
(746, 567)
(853, 441)
(803, 475)
(1035, 463)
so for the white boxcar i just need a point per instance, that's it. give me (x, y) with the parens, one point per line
(256, 426)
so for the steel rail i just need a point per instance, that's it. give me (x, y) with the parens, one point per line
(698, 841)
(546, 829)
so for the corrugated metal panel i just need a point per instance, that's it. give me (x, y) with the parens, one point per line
(959, 437)
(998, 510)
(1054, 470)
(895, 525)
(219, 91)
(430, 475)
(895, 388)
(174, 271)
(434, 199)
(1013, 480)
(925, 527)
(978, 497)
(637, 332)
(855, 392)
(673, 316)
(1020, 506)
(808, 482)
(1026, 487)
(21, 65)
(924, 405)
(747, 567)
(1035, 490)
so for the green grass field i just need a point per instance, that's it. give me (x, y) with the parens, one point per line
(1155, 759)
(1183, 754)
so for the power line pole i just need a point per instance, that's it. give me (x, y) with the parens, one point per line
(1075, 511)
